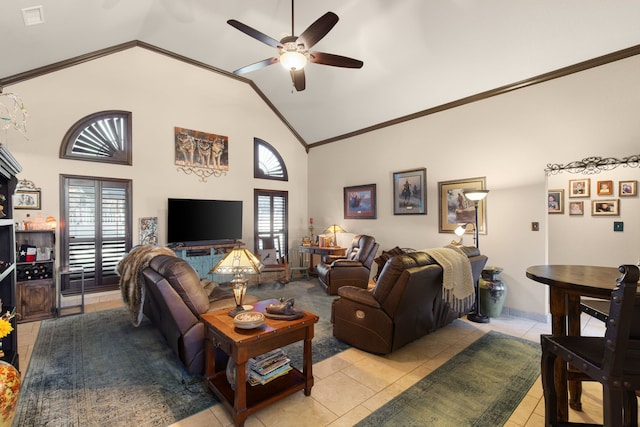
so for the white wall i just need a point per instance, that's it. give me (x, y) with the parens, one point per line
(509, 139)
(161, 93)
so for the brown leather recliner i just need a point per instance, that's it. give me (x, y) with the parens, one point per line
(405, 304)
(354, 270)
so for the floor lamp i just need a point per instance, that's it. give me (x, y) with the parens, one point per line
(476, 196)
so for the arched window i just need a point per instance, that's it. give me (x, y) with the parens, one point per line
(267, 163)
(100, 137)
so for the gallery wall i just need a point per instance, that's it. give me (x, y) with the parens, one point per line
(508, 139)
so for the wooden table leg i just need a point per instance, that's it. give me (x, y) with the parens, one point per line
(573, 314)
(308, 361)
(557, 306)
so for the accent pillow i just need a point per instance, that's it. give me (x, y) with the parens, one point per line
(384, 257)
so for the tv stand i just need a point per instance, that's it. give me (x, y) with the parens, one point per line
(202, 257)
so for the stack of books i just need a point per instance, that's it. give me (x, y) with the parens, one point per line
(268, 366)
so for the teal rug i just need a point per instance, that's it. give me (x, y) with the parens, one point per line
(480, 386)
(96, 369)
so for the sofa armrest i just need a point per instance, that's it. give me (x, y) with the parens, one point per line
(358, 295)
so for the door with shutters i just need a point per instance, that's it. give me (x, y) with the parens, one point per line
(95, 230)
(271, 221)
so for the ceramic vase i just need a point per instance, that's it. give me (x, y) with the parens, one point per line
(493, 292)
(9, 390)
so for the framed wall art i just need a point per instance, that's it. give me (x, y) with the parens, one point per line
(455, 209)
(628, 188)
(555, 202)
(579, 187)
(576, 208)
(605, 188)
(201, 153)
(27, 196)
(149, 230)
(410, 192)
(609, 207)
(360, 202)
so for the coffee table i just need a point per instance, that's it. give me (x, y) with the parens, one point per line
(224, 339)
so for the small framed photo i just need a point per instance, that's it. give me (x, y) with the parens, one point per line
(360, 202)
(29, 199)
(576, 208)
(605, 188)
(609, 207)
(409, 192)
(628, 188)
(579, 187)
(555, 200)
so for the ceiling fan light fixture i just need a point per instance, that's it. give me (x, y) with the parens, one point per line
(293, 60)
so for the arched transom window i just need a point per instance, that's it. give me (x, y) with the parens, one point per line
(101, 137)
(267, 163)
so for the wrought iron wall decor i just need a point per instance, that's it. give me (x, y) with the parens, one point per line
(203, 154)
(593, 165)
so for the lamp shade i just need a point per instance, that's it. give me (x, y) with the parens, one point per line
(462, 228)
(293, 60)
(335, 228)
(238, 261)
(475, 195)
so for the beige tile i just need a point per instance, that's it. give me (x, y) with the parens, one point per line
(523, 412)
(291, 411)
(340, 393)
(204, 418)
(374, 372)
(352, 417)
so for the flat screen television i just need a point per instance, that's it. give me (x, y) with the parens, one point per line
(193, 222)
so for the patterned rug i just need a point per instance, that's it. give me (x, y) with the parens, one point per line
(97, 369)
(481, 386)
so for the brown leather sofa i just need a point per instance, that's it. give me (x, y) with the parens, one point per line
(353, 270)
(174, 300)
(405, 304)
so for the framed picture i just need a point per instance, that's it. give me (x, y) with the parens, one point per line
(579, 187)
(605, 207)
(149, 230)
(628, 188)
(410, 192)
(455, 209)
(576, 208)
(360, 202)
(605, 188)
(555, 200)
(27, 199)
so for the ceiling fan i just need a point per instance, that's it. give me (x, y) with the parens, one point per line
(293, 51)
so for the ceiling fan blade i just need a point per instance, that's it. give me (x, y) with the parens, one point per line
(334, 60)
(299, 80)
(256, 66)
(254, 33)
(318, 29)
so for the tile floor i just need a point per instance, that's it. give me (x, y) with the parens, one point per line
(352, 384)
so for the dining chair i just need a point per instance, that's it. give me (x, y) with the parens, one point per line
(612, 360)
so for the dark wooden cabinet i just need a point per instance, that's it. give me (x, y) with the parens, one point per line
(9, 168)
(36, 286)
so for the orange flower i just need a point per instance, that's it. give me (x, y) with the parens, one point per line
(5, 328)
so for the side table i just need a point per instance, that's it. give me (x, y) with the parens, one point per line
(240, 345)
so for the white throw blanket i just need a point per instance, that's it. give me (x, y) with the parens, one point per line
(457, 280)
(131, 280)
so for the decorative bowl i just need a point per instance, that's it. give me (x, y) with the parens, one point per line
(248, 320)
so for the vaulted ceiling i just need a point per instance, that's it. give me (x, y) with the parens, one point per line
(418, 54)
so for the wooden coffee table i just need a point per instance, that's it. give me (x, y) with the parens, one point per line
(224, 339)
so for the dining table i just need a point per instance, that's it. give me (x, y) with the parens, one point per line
(568, 284)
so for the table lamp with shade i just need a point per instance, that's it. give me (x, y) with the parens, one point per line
(476, 196)
(335, 228)
(238, 262)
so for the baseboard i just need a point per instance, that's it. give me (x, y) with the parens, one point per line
(542, 318)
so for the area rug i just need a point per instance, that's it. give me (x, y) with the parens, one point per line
(480, 386)
(97, 369)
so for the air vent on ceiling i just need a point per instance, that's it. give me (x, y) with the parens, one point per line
(33, 15)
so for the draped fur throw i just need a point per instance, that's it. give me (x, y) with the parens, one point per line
(457, 280)
(131, 280)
